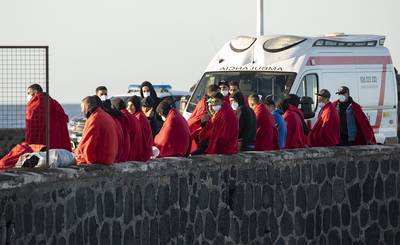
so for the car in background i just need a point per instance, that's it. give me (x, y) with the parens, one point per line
(180, 98)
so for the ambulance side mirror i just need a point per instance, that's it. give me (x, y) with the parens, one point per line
(306, 104)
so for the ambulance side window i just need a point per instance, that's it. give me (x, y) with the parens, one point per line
(309, 87)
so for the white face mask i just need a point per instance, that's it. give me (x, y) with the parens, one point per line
(146, 94)
(321, 104)
(163, 118)
(342, 98)
(216, 108)
(103, 97)
(224, 92)
(28, 98)
(234, 106)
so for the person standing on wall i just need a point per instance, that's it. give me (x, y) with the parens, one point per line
(247, 122)
(355, 128)
(326, 131)
(279, 121)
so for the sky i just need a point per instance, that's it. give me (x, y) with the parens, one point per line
(119, 42)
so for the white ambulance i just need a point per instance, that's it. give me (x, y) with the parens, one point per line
(286, 64)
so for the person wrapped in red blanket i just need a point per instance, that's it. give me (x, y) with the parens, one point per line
(267, 133)
(35, 132)
(99, 143)
(294, 123)
(326, 131)
(173, 140)
(145, 149)
(194, 121)
(219, 134)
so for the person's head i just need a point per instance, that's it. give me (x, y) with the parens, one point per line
(89, 104)
(254, 100)
(32, 90)
(147, 104)
(212, 89)
(223, 88)
(323, 96)
(217, 99)
(233, 87)
(283, 104)
(163, 109)
(118, 104)
(134, 104)
(102, 93)
(293, 99)
(236, 100)
(344, 94)
(147, 90)
(269, 102)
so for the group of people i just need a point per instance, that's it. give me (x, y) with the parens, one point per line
(225, 121)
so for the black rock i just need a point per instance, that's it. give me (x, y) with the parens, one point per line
(210, 227)
(163, 198)
(128, 211)
(145, 231)
(295, 174)
(333, 237)
(346, 215)
(338, 190)
(154, 235)
(249, 200)
(39, 220)
(258, 199)
(244, 229)
(99, 208)
(355, 227)
(137, 201)
(223, 221)
(379, 188)
(204, 196)
(289, 197)
(332, 171)
(194, 200)
(388, 237)
(183, 220)
(79, 234)
(312, 196)
(364, 217)
(286, 224)
(372, 234)
(105, 234)
(262, 224)
(119, 202)
(354, 194)
(301, 198)
(234, 233)
(129, 237)
(268, 196)
(252, 226)
(93, 230)
(27, 209)
(373, 167)
(383, 218)
(336, 216)
(174, 193)
(80, 201)
(237, 197)
(362, 169)
(116, 233)
(310, 226)
(368, 189)
(318, 221)
(394, 213)
(306, 173)
(49, 222)
(299, 224)
(261, 176)
(373, 210)
(351, 172)
(270, 174)
(278, 201)
(326, 220)
(274, 227)
(184, 192)
(395, 165)
(321, 173)
(385, 166)
(138, 232)
(174, 219)
(214, 201)
(326, 194)
(198, 225)
(150, 199)
(59, 219)
(390, 186)
(109, 204)
(286, 177)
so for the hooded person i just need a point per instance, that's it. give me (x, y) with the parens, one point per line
(99, 143)
(247, 122)
(147, 90)
(355, 128)
(326, 131)
(135, 108)
(219, 134)
(267, 133)
(173, 140)
(279, 121)
(194, 121)
(132, 132)
(35, 120)
(154, 119)
(294, 123)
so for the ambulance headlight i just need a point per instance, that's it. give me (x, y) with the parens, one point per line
(241, 43)
(382, 41)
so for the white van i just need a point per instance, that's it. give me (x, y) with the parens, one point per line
(285, 64)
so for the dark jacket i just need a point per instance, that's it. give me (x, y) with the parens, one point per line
(247, 124)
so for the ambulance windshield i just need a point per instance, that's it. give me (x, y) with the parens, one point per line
(262, 83)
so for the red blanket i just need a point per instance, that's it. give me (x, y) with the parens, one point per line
(194, 121)
(326, 131)
(99, 143)
(147, 136)
(135, 136)
(9, 160)
(267, 133)
(295, 134)
(36, 123)
(222, 132)
(173, 140)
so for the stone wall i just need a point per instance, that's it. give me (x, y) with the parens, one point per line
(10, 138)
(314, 196)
